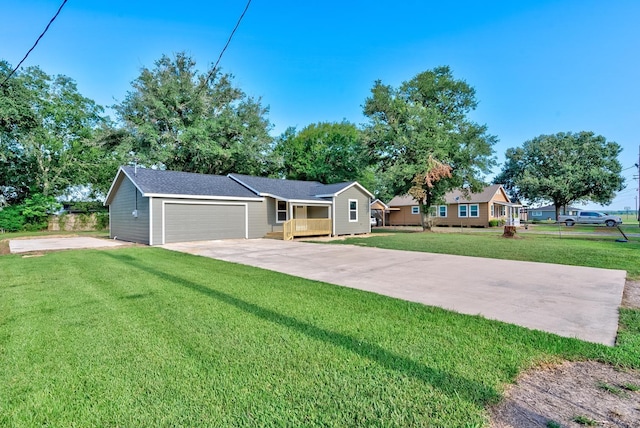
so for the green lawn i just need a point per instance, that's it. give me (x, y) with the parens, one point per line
(594, 251)
(586, 228)
(149, 337)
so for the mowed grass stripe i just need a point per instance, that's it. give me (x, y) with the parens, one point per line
(148, 337)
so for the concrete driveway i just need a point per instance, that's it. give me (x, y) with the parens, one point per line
(60, 243)
(566, 300)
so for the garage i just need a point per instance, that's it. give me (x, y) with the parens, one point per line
(200, 221)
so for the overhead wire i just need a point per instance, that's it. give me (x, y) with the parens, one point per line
(35, 44)
(215, 66)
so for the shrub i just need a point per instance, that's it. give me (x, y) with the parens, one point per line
(102, 220)
(36, 210)
(494, 222)
(11, 219)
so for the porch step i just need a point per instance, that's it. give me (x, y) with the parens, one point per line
(274, 235)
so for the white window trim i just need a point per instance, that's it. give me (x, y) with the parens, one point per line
(349, 210)
(493, 210)
(477, 210)
(285, 211)
(415, 209)
(466, 211)
(445, 211)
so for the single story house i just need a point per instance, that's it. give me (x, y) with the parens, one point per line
(460, 209)
(548, 212)
(378, 211)
(155, 207)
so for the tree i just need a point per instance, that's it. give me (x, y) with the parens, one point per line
(564, 168)
(46, 135)
(421, 127)
(177, 119)
(324, 152)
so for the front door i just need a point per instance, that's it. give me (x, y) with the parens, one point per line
(300, 215)
(300, 212)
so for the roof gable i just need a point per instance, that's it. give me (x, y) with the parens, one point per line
(486, 195)
(157, 183)
(294, 189)
(153, 182)
(280, 188)
(457, 196)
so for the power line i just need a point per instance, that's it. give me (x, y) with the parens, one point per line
(215, 66)
(35, 44)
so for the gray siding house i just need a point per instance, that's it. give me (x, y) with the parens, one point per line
(548, 212)
(156, 207)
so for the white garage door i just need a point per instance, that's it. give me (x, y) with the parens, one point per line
(201, 222)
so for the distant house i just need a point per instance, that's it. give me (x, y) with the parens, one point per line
(460, 209)
(548, 212)
(157, 207)
(378, 211)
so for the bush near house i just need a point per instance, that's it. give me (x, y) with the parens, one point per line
(11, 219)
(32, 214)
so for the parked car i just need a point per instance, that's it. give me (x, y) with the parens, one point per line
(590, 217)
(373, 221)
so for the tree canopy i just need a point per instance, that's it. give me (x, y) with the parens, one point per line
(324, 152)
(564, 168)
(178, 119)
(423, 124)
(46, 135)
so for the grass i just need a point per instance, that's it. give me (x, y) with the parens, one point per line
(601, 252)
(583, 228)
(612, 389)
(148, 337)
(584, 420)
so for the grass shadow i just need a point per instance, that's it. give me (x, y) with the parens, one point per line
(450, 384)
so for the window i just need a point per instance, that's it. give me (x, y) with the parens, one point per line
(353, 210)
(415, 210)
(442, 211)
(536, 213)
(493, 210)
(281, 211)
(462, 210)
(474, 211)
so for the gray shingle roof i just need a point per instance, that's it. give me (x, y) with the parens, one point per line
(289, 189)
(152, 181)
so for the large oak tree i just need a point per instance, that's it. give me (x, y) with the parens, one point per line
(176, 118)
(47, 131)
(421, 126)
(564, 168)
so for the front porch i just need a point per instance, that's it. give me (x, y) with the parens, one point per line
(306, 227)
(509, 212)
(299, 220)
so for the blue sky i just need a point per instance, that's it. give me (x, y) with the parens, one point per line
(538, 67)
